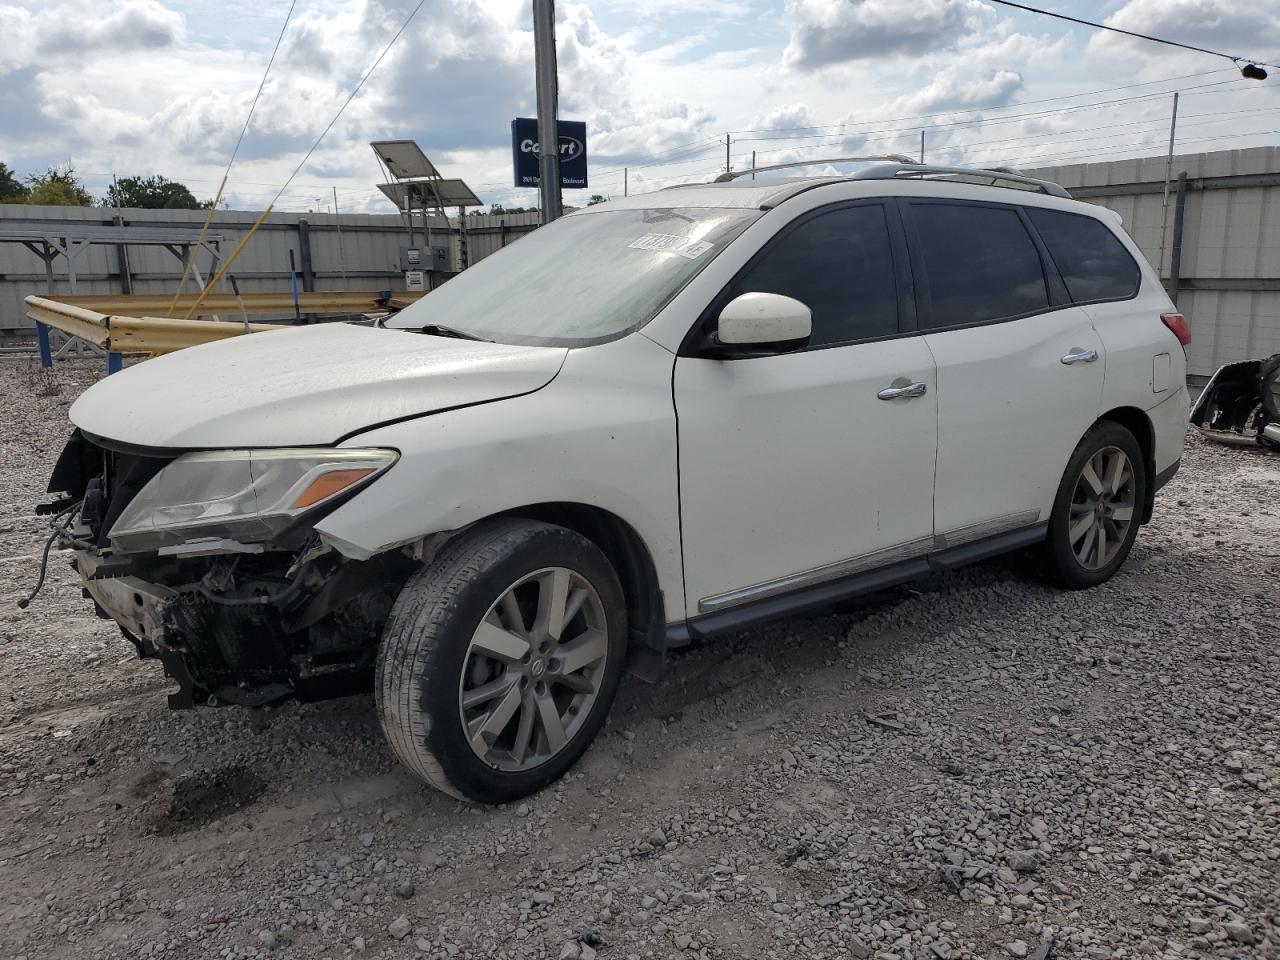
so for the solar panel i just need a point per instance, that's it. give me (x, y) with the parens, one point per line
(424, 193)
(404, 158)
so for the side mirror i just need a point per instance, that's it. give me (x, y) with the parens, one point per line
(760, 323)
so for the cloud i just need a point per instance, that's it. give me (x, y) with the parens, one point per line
(1233, 27)
(133, 25)
(827, 32)
(950, 91)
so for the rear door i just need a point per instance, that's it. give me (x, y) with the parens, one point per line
(1020, 370)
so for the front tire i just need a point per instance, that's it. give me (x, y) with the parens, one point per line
(1098, 508)
(501, 658)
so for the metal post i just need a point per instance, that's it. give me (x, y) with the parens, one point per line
(624, 181)
(293, 285)
(42, 343)
(122, 256)
(304, 255)
(753, 164)
(1168, 175)
(544, 51)
(728, 161)
(342, 255)
(922, 145)
(463, 254)
(1175, 255)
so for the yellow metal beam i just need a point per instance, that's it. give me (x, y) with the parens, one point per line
(77, 321)
(143, 305)
(119, 334)
(165, 335)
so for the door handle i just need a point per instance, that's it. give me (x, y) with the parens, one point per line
(1080, 356)
(902, 390)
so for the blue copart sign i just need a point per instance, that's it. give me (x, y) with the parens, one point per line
(573, 153)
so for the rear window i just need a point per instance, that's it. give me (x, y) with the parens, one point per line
(1093, 262)
(980, 264)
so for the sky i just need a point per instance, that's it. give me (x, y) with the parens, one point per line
(141, 87)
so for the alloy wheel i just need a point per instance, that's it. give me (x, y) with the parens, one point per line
(533, 669)
(1102, 507)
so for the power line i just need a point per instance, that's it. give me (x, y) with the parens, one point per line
(1130, 33)
(254, 105)
(888, 136)
(354, 92)
(1005, 106)
(979, 120)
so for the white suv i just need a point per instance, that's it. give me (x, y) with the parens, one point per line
(653, 421)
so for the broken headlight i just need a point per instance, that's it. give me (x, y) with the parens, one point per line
(246, 495)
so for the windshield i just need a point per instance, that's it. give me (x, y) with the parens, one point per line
(580, 280)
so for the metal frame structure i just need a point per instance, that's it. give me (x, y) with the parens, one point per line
(70, 243)
(413, 176)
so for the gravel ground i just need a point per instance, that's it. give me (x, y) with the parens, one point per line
(978, 766)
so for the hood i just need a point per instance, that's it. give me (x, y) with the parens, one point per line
(304, 386)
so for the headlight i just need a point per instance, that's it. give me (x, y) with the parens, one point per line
(244, 495)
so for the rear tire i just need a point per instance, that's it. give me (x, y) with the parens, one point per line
(501, 658)
(1098, 509)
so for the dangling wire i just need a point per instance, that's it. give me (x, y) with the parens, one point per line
(347, 103)
(209, 287)
(59, 528)
(213, 207)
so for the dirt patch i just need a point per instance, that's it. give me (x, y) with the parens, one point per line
(201, 797)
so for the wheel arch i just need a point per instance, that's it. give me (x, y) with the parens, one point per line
(626, 550)
(1139, 424)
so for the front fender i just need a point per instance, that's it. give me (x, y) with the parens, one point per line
(603, 434)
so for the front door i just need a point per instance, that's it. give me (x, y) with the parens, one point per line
(1019, 369)
(793, 468)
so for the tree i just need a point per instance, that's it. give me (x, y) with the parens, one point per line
(11, 191)
(151, 193)
(596, 198)
(497, 209)
(58, 187)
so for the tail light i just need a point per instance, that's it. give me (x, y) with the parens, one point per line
(1178, 325)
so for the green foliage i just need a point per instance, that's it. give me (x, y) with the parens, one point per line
(498, 208)
(11, 190)
(151, 193)
(58, 187)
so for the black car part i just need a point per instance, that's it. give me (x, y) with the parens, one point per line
(1241, 399)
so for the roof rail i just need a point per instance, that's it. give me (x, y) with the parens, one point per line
(735, 174)
(995, 175)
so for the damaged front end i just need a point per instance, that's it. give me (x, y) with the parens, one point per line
(1241, 400)
(209, 561)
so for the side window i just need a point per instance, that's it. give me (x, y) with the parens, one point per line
(980, 264)
(1093, 262)
(840, 265)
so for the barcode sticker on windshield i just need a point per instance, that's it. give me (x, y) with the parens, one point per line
(670, 243)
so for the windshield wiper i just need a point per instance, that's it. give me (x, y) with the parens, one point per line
(437, 330)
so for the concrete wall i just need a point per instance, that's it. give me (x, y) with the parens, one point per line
(1229, 270)
(367, 248)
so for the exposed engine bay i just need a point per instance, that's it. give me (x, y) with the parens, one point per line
(232, 622)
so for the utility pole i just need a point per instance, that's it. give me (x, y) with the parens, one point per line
(544, 54)
(728, 164)
(1168, 175)
(624, 181)
(753, 164)
(922, 145)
